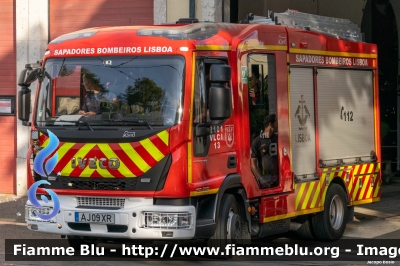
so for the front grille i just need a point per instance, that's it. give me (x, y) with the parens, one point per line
(111, 228)
(99, 183)
(79, 226)
(116, 228)
(100, 202)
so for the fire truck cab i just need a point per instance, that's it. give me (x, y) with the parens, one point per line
(145, 132)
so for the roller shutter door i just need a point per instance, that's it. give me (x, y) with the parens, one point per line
(8, 87)
(73, 15)
(345, 114)
(302, 122)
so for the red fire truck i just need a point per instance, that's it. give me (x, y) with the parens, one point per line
(155, 125)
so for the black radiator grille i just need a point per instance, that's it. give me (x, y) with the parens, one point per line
(98, 183)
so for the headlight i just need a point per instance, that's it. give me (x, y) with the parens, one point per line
(30, 214)
(167, 220)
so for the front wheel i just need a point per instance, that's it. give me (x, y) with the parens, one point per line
(229, 224)
(331, 223)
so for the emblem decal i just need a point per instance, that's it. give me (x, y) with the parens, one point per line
(95, 163)
(128, 134)
(229, 135)
(282, 40)
(302, 113)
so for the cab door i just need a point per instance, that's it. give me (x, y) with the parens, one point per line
(264, 89)
(213, 155)
(267, 73)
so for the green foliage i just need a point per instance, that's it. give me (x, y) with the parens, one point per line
(143, 93)
(93, 78)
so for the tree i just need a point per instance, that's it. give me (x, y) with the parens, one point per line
(143, 93)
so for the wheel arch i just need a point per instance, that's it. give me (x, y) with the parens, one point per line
(230, 185)
(330, 223)
(340, 182)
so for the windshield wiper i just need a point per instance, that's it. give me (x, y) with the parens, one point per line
(85, 123)
(143, 122)
(146, 123)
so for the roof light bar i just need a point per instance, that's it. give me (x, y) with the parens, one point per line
(75, 35)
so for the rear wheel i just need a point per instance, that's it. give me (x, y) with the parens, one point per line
(229, 225)
(331, 223)
(305, 231)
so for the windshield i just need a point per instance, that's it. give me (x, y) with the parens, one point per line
(110, 91)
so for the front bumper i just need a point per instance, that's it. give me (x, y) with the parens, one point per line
(130, 219)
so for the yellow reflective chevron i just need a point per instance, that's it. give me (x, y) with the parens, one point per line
(106, 149)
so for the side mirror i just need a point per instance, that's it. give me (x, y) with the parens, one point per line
(220, 95)
(28, 76)
(24, 104)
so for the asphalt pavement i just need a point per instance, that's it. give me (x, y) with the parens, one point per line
(12, 210)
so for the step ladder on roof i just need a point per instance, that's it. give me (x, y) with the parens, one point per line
(335, 27)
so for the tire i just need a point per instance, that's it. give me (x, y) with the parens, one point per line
(305, 231)
(77, 241)
(331, 223)
(229, 225)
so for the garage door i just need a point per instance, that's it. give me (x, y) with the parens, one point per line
(8, 83)
(73, 15)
